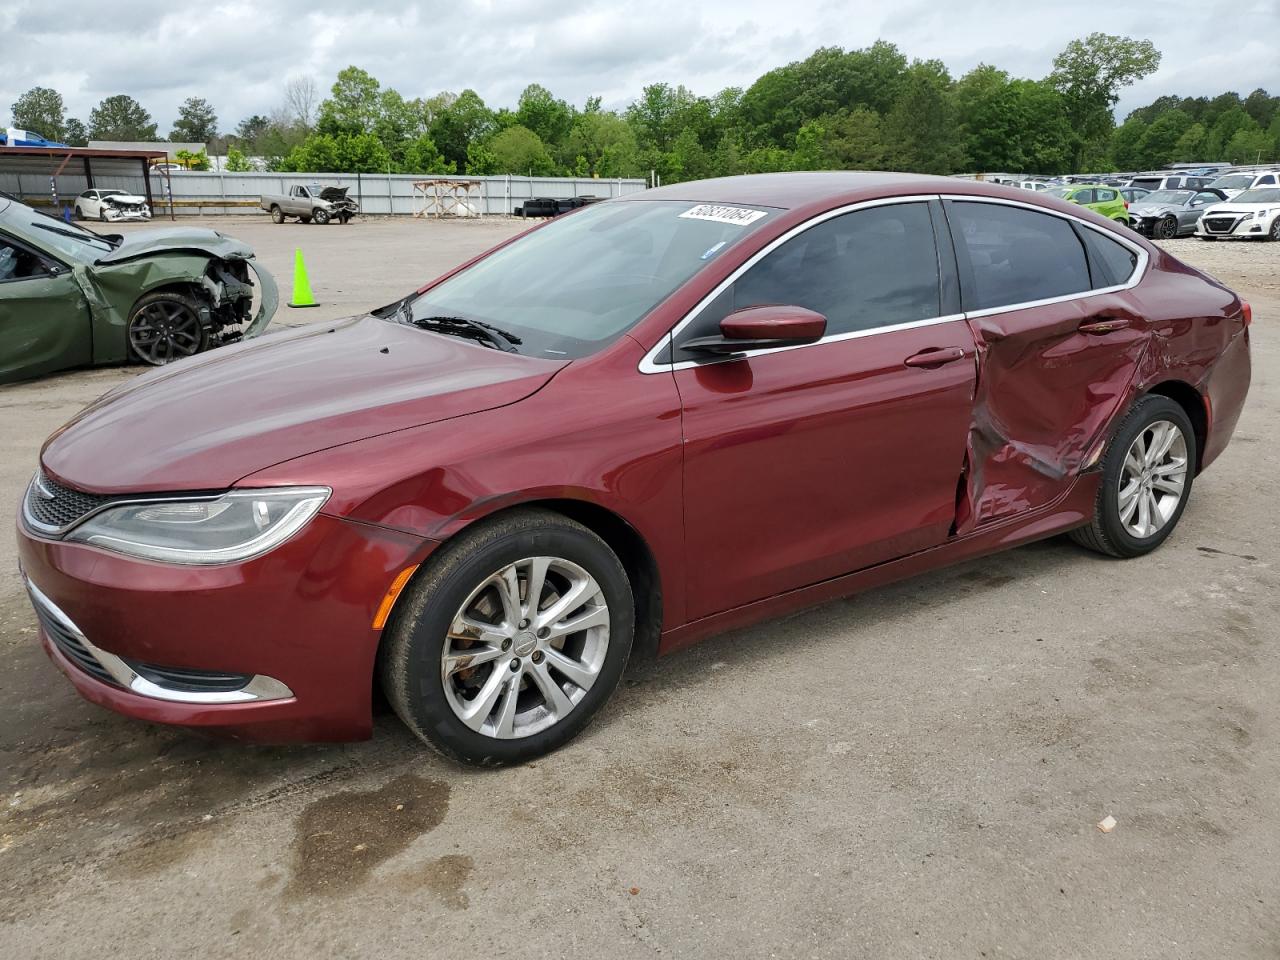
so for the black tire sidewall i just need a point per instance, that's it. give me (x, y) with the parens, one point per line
(187, 302)
(421, 634)
(1150, 409)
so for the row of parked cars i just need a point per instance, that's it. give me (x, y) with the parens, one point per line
(1240, 205)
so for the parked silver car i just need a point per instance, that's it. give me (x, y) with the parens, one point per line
(1165, 214)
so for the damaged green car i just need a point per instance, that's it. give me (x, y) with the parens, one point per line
(72, 298)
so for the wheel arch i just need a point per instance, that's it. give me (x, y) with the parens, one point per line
(1193, 405)
(627, 543)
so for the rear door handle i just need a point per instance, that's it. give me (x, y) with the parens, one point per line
(1104, 325)
(935, 357)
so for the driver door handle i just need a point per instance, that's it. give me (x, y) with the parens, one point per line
(1104, 325)
(935, 357)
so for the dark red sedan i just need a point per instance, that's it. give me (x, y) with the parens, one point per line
(646, 421)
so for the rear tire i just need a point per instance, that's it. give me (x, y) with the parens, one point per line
(517, 697)
(1137, 484)
(277, 215)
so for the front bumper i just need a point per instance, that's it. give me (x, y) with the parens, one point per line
(1232, 226)
(115, 214)
(295, 624)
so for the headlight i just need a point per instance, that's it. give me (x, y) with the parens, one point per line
(236, 526)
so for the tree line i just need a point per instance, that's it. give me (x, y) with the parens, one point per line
(868, 108)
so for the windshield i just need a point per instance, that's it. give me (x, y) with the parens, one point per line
(1259, 195)
(1236, 181)
(68, 240)
(579, 282)
(1169, 196)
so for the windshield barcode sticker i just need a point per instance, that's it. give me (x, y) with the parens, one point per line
(738, 216)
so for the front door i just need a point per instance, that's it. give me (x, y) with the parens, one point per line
(44, 320)
(807, 463)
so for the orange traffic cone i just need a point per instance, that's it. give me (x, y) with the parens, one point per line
(302, 296)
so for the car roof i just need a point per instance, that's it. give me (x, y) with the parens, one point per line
(789, 191)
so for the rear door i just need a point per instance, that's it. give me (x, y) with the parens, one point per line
(805, 463)
(1059, 337)
(44, 320)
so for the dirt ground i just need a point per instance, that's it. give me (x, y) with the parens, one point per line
(916, 772)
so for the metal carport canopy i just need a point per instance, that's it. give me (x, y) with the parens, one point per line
(86, 161)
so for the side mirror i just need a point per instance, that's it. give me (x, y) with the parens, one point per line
(763, 328)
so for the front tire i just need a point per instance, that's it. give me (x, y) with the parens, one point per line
(1274, 233)
(165, 326)
(320, 216)
(510, 639)
(1147, 474)
(1167, 228)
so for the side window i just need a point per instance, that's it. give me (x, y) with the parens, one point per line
(19, 264)
(1113, 263)
(865, 269)
(1104, 196)
(1264, 181)
(1082, 196)
(1015, 255)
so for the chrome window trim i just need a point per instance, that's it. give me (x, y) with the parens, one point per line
(259, 688)
(649, 365)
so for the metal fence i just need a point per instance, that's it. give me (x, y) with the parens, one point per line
(206, 194)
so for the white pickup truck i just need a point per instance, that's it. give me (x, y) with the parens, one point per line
(310, 203)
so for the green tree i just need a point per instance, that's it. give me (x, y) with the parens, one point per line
(856, 141)
(1126, 143)
(41, 111)
(353, 106)
(922, 130)
(421, 156)
(196, 123)
(75, 134)
(1089, 74)
(990, 109)
(237, 162)
(1158, 146)
(605, 143)
(462, 122)
(341, 153)
(121, 118)
(519, 150)
(539, 111)
(481, 161)
(1190, 146)
(1250, 144)
(251, 129)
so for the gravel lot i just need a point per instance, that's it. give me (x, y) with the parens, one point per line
(916, 772)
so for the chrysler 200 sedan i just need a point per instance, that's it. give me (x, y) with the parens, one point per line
(646, 421)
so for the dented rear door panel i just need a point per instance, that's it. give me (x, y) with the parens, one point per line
(1047, 391)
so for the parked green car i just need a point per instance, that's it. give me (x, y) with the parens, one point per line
(72, 298)
(1104, 200)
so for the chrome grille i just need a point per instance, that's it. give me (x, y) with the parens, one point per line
(1220, 224)
(54, 508)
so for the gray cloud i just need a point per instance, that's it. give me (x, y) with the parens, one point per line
(238, 53)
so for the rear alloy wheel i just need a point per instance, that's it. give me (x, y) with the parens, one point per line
(1146, 480)
(166, 326)
(277, 215)
(1167, 228)
(510, 640)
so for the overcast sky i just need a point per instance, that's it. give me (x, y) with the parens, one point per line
(237, 53)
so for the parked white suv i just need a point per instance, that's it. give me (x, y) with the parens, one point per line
(1233, 183)
(1251, 213)
(1168, 181)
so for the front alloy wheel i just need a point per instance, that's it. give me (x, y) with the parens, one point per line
(1167, 228)
(165, 326)
(509, 639)
(525, 647)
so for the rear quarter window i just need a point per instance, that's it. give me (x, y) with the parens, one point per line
(1112, 262)
(1015, 255)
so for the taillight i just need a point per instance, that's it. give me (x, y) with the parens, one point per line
(1246, 312)
(1126, 204)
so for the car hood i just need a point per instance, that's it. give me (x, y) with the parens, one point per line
(124, 198)
(1152, 209)
(1229, 206)
(206, 422)
(177, 239)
